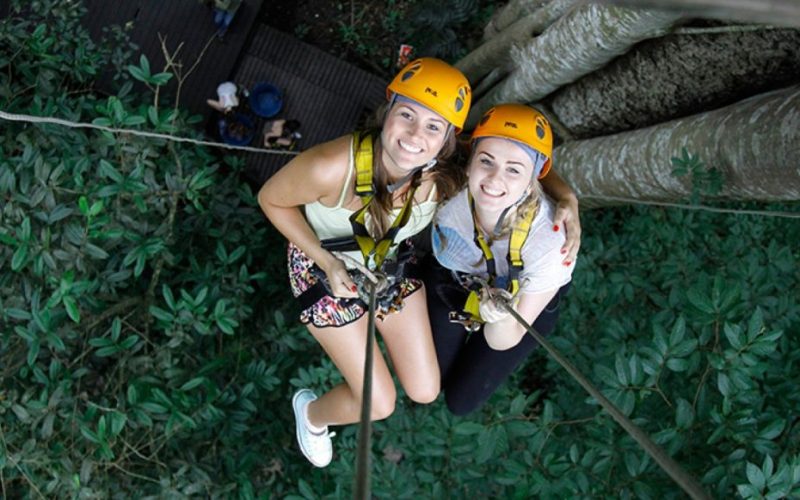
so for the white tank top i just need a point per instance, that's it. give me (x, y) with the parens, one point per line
(334, 222)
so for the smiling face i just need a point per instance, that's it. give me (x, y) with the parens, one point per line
(500, 172)
(412, 136)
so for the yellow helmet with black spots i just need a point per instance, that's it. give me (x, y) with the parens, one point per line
(436, 85)
(519, 123)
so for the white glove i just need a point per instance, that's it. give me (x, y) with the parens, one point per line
(491, 310)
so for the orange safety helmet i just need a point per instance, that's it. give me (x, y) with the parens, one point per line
(519, 123)
(438, 86)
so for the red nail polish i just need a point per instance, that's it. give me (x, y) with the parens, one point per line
(354, 288)
(567, 263)
(555, 227)
(563, 250)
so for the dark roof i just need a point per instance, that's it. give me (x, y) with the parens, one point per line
(328, 96)
(189, 22)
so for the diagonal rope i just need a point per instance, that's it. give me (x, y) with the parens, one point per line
(688, 483)
(13, 117)
(362, 487)
(683, 206)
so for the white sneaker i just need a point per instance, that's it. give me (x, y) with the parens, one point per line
(317, 448)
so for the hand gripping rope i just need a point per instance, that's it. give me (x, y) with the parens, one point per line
(688, 483)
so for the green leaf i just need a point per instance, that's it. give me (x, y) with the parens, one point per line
(26, 229)
(137, 73)
(677, 364)
(160, 78)
(96, 252)
(19, 314)
(161, 314)
(684, 416)
(129, 342)
(144, 64)
(622, 372)
(104, 352)
(83, 205)
(191, 384)
(96, 208)
(734, 335)
(467, 428)
(90, 435)
(755, 476)
(723, 384)
(107, 170)
(678, 332)
(118, 421)
(773, 430)
(19, 258)
(71, 305)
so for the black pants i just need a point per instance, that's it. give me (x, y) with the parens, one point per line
(471, 370)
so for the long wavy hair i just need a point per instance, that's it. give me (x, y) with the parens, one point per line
(448, 176)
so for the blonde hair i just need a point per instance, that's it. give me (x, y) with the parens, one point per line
(523, 209)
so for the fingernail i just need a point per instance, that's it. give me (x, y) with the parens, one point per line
(563, 250)
(555, 227)
(567, 263)
(354, 288)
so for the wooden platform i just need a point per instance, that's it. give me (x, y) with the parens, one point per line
(189, 22)
(328, 96)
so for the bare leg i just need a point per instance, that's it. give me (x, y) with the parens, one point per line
(342, 405)
(408, 339)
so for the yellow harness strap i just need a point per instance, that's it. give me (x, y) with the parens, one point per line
(519, 233)
(371, 249)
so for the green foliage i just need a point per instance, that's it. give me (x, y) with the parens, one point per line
(141, 338)
(149, 350)
(446, 30)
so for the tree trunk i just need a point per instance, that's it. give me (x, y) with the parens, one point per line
(755, 145)
(582, 41)
(509, 14)
(496, 53)
(675, 76)
(780, 12)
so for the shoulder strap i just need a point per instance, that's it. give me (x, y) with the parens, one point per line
(362, 147)
(518, 236)
(371, 250)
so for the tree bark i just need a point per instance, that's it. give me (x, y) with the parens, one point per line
(496, 53)
(780, 12)
(675, 76)
(585, 39)
(755, 144)
(509, 14)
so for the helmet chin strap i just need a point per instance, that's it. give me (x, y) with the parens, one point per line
(401, 182)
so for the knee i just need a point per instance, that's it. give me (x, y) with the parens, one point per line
(426, 393)
(383, 403)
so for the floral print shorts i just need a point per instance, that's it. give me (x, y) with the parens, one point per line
(330, 310)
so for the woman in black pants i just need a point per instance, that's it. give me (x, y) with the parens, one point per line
(496, 242)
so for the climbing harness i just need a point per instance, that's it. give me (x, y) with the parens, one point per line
(374, 252)
(390, 272)
(470, 316)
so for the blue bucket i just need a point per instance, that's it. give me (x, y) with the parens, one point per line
(266, 100)
(234, 139)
